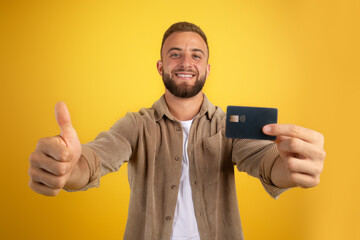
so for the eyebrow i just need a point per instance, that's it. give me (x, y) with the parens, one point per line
(174, 48)
(193, 50)
(198, 50)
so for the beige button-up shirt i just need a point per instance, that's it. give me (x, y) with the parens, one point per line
(150, 141)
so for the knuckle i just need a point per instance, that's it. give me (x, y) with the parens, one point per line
(293, 143)
(36, 187)
(291, 165)
(42, 141)
(32, 157)
(64, 155)
(314, 135)
(293, 178)
(53, 192)
(56, 184)
(318, 154)
(59, 183)
(321, 137)
(33, 173)
(313, 182)
(316, 171)
(319, 170)
(61, 169)
(323, 154)
(46, 142)
(316, 181)
(30, 172)
(31, 184)
(294, 129)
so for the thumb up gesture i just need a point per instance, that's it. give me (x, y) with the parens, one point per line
(55, 158)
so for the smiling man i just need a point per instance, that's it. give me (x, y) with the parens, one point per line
(180, 164)
(184, 78)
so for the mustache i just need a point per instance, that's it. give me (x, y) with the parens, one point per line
(185, 70)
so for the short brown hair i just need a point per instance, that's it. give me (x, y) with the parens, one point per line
(184, 27)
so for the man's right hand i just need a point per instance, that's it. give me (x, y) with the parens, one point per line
(54, 159)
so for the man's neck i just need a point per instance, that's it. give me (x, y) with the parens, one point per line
(184, 109)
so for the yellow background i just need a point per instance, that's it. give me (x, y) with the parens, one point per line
(100, 58)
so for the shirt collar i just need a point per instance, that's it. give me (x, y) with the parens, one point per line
(161, 109)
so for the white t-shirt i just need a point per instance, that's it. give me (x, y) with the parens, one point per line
(185, 225)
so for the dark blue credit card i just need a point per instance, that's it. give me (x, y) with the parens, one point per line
(247, 122)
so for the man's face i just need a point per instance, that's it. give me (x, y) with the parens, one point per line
(184, 66)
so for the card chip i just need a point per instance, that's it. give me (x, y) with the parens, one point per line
(234, 118)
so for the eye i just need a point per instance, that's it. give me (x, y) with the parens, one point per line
(197, 56)
(175, 55)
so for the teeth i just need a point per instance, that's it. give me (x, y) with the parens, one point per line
(184, 75)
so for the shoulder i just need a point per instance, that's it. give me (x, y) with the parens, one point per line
(146, 113)
(134, 120)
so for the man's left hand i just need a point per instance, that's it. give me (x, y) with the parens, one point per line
(302, 155)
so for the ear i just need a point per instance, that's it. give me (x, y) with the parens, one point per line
(159, 67)
(207, 70)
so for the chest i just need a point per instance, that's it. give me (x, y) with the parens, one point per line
(160, 151)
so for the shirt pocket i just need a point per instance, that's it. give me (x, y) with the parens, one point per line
(213, 157)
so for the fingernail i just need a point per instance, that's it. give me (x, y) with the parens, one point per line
(267, 129)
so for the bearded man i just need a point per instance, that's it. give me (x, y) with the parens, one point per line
(180, 164)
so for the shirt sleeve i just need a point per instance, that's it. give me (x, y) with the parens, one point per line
(257, 157)
(109, 150)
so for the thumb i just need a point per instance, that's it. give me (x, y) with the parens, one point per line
(62, 115)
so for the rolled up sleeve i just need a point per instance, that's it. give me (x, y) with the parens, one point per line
(257, 158)
(109, 150)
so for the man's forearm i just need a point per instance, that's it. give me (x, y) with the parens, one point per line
(80, 175)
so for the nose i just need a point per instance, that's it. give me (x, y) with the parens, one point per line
(186, 61)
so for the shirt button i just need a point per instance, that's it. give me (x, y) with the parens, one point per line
(177, 158)
(178, 129)
(173, 187)
(195, 182)
(168, 218)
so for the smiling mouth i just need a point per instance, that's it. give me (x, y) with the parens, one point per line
(184, 75)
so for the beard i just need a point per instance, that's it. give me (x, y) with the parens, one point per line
(183, 90)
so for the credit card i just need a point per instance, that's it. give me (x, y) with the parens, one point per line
(247, 122)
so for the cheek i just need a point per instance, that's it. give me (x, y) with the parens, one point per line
(169, 67)
(201, 69)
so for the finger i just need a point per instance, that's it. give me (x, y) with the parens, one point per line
(294, 131)
(283, 154)
(54, 148)
(43, 189)
(304, 180)
(63, 119)
(47, 163)
(46, 178)
(281, 138)
(297, 146)
(296, 165)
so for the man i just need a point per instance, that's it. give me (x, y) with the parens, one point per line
(180, 164)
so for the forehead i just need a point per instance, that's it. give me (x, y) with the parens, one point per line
(185, 41)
